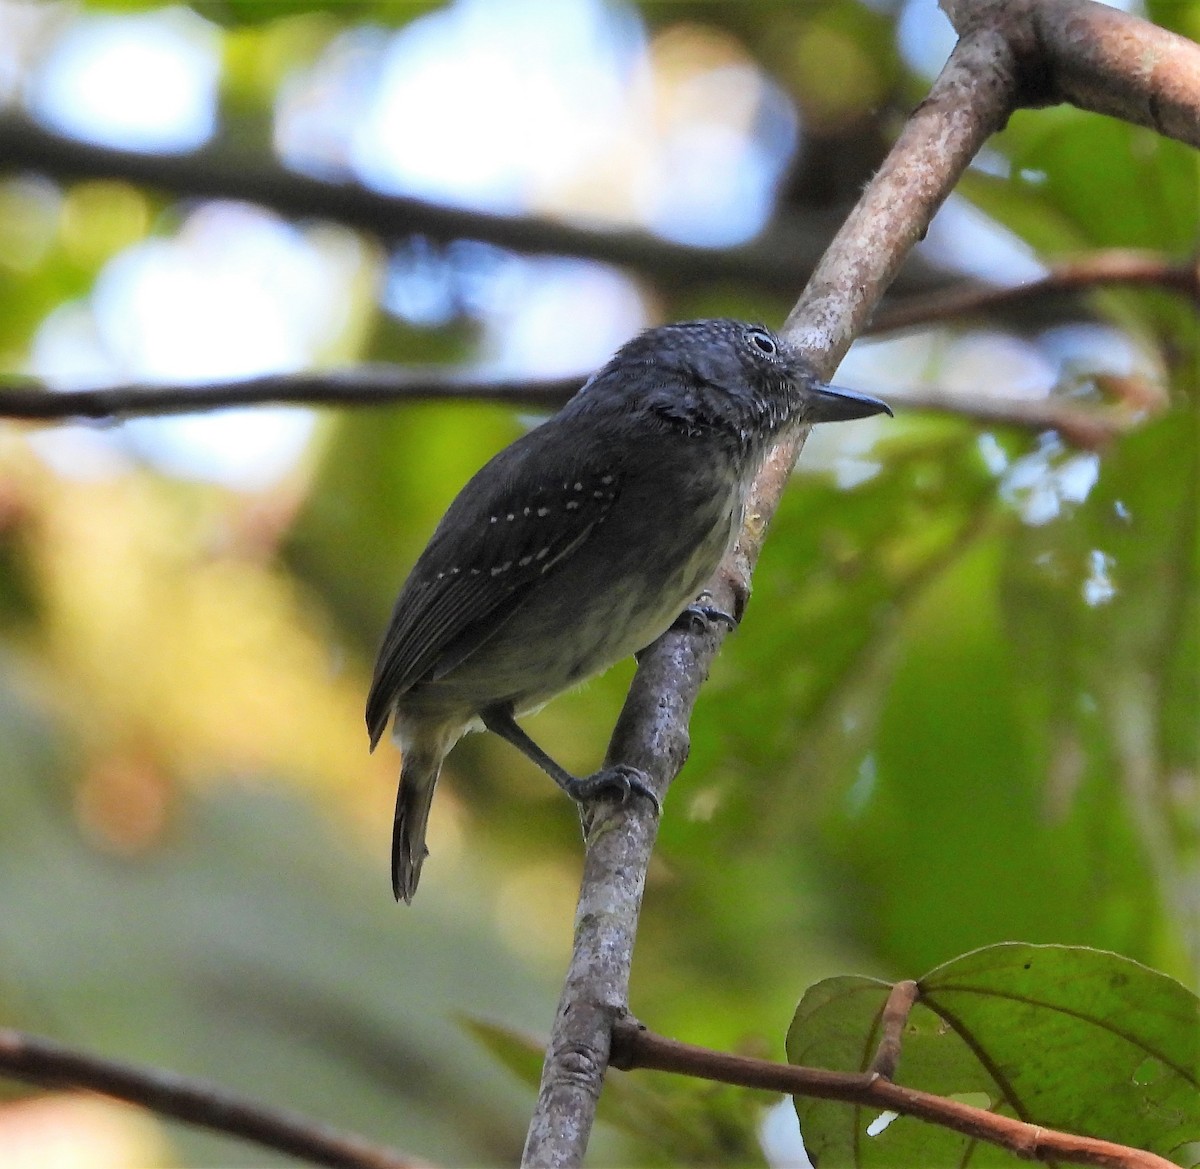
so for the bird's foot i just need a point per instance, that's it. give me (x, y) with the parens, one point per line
(699, 615)
(620, 781)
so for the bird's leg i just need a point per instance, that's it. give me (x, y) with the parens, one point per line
(620, 780)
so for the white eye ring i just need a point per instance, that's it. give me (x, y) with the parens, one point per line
(763, 342)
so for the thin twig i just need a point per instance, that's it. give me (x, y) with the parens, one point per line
(1111, 266)
(1086, 427)
(776, 259)
(1089, 428)
(198, 1102)
(363, 385)
(968, 102)
(384, 384)
(635, 1047)
(899, 1005)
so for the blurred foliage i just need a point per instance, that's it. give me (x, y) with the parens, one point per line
(962, 709)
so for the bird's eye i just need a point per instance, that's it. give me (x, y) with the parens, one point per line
(763, 342)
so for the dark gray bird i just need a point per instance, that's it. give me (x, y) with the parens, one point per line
(580, 544)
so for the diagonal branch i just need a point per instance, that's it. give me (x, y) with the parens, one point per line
(40, 1061)
(635, 1047)
(969, 101)
(995, 66)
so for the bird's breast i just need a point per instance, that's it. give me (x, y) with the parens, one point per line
(624, 586)
(629, 587)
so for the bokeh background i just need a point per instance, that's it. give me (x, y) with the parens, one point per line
(962, 708)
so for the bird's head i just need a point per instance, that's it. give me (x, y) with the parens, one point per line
(721, 376)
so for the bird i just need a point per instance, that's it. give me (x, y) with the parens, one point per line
(579, 544)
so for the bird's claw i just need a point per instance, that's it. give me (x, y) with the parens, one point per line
(698, 616)
(620, 781)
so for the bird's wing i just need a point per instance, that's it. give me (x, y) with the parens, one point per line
(507, 529)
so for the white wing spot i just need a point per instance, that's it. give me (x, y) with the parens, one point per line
(578, 486)
(454, 572)
(543, 511)
(502, 568)
(493, 519)
(601, 495)
(572, 504)
(512, 515)
(525, 511)
(542, 554)
(606, 480)
(524, 561)
(474, 571)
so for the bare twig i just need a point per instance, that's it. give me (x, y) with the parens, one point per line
(635, 1047)
(363, 385)
(1113, 266)
(900, 1002)
(381, 384)
(968, 102)
(1090, 428)
(40, 1061)
(777, 259)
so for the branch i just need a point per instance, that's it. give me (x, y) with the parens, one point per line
(382, 385)
(970, 100)
(635, 1047)
(206, 1105)
(774, 260)
(900, 1002)
(1096, 58)
(363, 385)
(1089, 428)
(1112, 266)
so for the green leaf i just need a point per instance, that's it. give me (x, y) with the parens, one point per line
(1136, 189)
(518, 1051)
(1075, 1039)
(233, 13)
(837, 1027)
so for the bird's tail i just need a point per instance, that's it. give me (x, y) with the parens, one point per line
(418, 778)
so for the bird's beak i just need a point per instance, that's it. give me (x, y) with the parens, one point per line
(835, 404)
